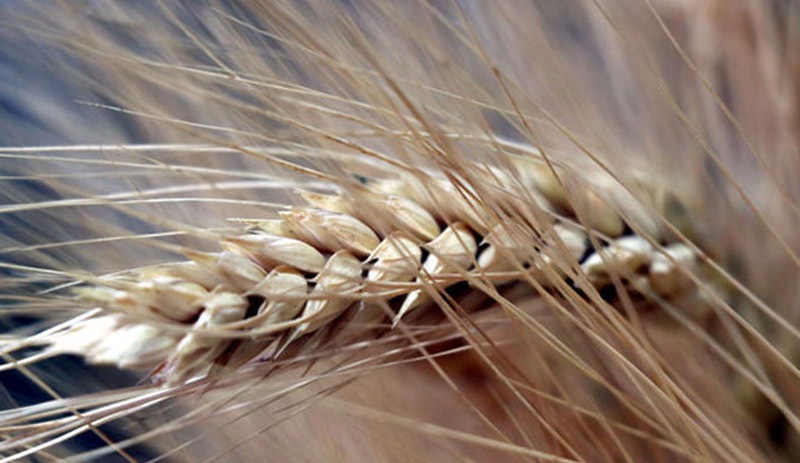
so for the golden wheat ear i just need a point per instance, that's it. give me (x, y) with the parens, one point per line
(394, 247)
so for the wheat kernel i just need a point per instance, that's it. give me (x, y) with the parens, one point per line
(331, 231)
(452, 251)
(333, 293)
(272, 250)
(623, 256)
(665, 276)
(286, 291)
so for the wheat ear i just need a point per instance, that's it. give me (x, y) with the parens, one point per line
(283, 283)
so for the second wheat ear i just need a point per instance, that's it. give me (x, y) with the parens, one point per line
(279, 284)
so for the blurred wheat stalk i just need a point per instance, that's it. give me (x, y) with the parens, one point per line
(183, 117)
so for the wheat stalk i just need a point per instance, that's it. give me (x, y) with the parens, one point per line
(393, 214)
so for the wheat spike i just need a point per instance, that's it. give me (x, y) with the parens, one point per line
(320, 245)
